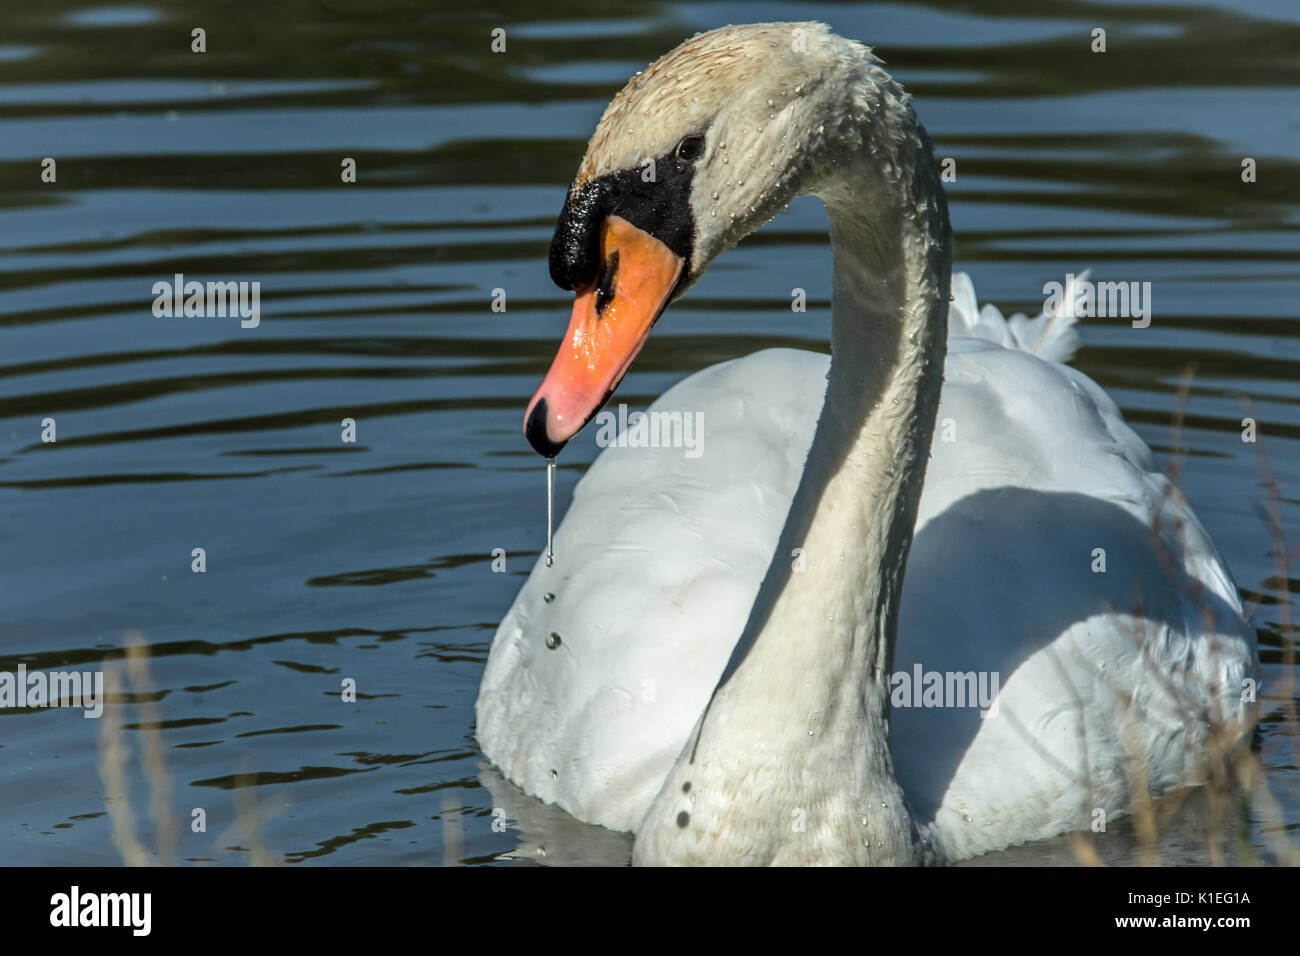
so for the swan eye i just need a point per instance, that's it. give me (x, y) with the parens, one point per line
(690, 148)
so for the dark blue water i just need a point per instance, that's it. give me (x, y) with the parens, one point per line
(330, 562)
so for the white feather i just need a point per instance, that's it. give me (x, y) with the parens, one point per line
(660, 557)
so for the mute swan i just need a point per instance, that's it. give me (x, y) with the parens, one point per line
(711, 660)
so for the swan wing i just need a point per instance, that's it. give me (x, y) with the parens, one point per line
(1056, 570)
(661, 555)
(657, 563)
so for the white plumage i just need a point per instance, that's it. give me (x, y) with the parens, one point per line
(1033, 480)
(660, 557)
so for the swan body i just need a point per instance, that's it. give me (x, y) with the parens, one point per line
(732, 627)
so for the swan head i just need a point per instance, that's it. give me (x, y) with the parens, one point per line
(703, 147)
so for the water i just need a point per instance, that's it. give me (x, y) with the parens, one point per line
(371, 561)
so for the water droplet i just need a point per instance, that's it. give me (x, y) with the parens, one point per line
(550, 509)
(966, 817)
(548, 597)
(554, 775)
(552, 642)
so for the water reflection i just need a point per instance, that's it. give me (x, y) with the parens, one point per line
(181, 434)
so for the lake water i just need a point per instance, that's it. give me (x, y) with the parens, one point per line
(370, 561)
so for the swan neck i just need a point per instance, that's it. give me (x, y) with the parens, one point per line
(866, 467)
(801, 713)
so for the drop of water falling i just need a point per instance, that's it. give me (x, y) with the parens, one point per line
(550, 509)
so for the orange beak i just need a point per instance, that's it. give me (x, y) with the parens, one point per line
(611, 322)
